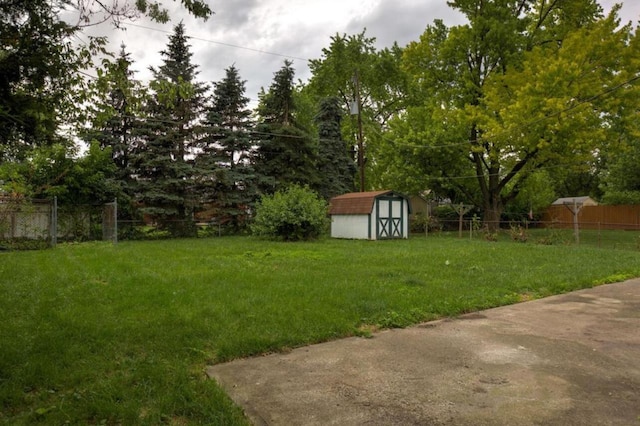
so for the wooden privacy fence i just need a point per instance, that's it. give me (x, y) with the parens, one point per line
(625, 217)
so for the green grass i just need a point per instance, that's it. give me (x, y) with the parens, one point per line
(606, 239)
(100, 334)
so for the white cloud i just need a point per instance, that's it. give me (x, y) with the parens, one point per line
(299, 29)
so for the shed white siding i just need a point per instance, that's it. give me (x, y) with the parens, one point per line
(350, 226)
(373, 215)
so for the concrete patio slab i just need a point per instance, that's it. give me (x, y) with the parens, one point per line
(572, 359)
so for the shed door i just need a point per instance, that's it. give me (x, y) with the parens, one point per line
(390, 217)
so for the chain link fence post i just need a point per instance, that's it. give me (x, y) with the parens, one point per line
(54, 222)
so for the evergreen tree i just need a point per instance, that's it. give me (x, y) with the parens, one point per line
(286, 153)
(227, 150)
(116, 119)
(164, 162)
(335, 163)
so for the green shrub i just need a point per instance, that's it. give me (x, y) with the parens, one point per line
(297, 213)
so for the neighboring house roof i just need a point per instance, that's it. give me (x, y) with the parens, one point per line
(356, 202)
(419, 204)
(584, 201)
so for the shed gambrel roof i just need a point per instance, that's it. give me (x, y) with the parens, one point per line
(355, 202)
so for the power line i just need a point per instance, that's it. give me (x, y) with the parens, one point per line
(93, 77)
(220, 43)
(396, 143)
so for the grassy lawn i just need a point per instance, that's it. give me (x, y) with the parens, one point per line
(101, 334)
(606, 239)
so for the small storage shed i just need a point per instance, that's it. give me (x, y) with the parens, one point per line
(374, 215)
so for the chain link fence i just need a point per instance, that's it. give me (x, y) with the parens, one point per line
(26, 223)
(625, 236)
(37, 223)
(34, 224)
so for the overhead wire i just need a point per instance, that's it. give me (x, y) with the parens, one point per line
(522, 127)
(478, 140)
(220, 43)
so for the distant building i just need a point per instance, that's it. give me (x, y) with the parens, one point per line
(580, 201)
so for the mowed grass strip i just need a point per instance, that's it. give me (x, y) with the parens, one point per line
(101, 334)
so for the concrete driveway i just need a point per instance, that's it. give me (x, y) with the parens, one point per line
(572, 359)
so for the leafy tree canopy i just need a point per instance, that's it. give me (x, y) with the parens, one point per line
(40, 87)
(525, 85)
(380, 83)
(95, 12)
(56, 171)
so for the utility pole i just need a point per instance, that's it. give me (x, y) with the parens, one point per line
(356, 83)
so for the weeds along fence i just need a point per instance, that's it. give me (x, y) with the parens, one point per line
(602, 226)
(26, 222)
(604, 235)
(36, 223)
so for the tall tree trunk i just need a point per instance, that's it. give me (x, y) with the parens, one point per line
(493, 209)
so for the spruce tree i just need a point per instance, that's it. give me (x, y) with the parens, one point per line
(286, 154)
(164, 163)
(335, 164)
(229, 181)
(116, 119)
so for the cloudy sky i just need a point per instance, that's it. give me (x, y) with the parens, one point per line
(258, 35)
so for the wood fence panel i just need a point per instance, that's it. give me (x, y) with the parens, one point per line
(594, 217)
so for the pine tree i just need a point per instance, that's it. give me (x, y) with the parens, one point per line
(335, 164)
(164, 163)
(116, 119)
(286, 154)
(227, 152)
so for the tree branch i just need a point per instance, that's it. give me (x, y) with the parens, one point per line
(519, 166)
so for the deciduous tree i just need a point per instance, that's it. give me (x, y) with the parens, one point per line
(40, 85)
(523, 86)
(380, 83)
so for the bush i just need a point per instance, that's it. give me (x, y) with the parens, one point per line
(297, 213)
